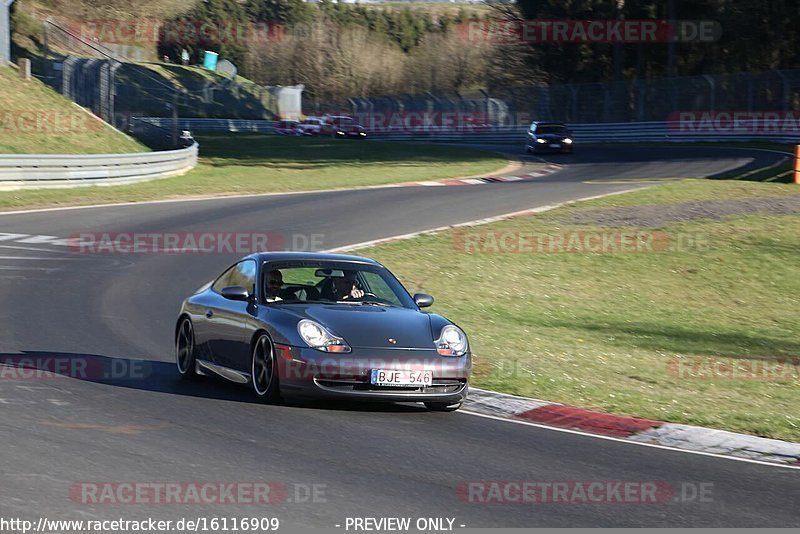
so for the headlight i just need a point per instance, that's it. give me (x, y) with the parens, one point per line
(318, 337)
(452, 342)
(541, 141)
(567, 141)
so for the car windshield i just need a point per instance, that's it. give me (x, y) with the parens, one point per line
(551, 129)
(340, 283)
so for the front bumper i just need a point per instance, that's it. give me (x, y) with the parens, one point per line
(309, 372)
(353, 134)
(546, 147)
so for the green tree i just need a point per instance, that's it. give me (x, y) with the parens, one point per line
(286, 12)
(220, 26)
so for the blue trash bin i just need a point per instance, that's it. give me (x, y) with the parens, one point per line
(210, 60)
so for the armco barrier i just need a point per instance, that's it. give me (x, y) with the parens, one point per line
(583, 133)
(45, 170)
(605, 133)
(211, 125)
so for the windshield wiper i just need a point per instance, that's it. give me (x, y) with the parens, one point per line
(376, 303)
(365, 303)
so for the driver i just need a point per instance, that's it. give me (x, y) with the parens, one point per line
(274, 287)
(343, 287)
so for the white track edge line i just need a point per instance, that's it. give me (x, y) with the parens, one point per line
(542, 209)
(286, 193)
(623, 440)
(475, 222)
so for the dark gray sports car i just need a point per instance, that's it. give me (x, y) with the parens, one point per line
(322, 325)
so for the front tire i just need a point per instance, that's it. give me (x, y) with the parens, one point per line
(443, 406)
(264, 370)
(185, 357)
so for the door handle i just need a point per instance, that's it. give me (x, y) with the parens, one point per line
(209, 314)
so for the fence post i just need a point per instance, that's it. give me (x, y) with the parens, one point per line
(25, 69)
(175, 119)
(797, 164)
(5, 32)
(712, 88)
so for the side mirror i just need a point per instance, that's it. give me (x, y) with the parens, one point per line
(423, 300)
(236, 293)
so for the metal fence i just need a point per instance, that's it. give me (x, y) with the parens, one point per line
(103, 80)
(623, 101)
(46, 170)
(666, 131)
(633, 132)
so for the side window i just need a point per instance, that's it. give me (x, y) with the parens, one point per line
(222, 281)
(242, 274)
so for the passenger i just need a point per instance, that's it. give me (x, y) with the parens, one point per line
(343, 288)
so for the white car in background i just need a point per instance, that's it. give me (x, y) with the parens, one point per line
(311, 126)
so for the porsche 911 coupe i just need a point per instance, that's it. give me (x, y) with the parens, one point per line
(322, 325)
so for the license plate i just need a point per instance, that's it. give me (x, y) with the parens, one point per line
(391, 377)
(554, 145)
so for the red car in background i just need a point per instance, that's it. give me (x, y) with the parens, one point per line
(342, 126)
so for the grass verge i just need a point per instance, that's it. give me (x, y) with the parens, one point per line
(37, 120)
(692, 331)
(256, 163)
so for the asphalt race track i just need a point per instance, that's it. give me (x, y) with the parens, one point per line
(143, 425)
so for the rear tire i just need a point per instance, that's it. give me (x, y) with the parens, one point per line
(264, 370)
(443, 406)
(184, 350)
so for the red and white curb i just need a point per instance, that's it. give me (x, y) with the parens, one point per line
(634, 429)
(672, 435)
(549, 169)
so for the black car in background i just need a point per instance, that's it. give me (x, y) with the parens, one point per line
(549, 137)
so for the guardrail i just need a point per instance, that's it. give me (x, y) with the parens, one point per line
(583, 133)
(210, 125)
(673, 132)
(46, 170)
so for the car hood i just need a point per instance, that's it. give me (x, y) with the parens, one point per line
(371, 326)
(552, 137)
